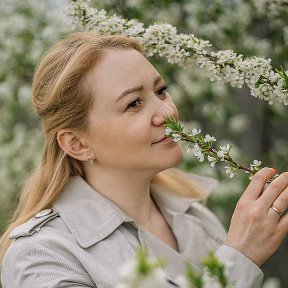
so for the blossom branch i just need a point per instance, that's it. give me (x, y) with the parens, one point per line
(201, 146)
(224, 66)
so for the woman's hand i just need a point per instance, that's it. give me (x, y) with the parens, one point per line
(257, 229)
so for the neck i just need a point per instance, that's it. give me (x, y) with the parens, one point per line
(129, 190)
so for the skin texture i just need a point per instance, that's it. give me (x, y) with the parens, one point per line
(124, 134)
(256, 229)
(122, 141)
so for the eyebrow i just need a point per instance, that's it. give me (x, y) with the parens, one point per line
(137, 88)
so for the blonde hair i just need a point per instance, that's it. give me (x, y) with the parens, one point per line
(62, 99)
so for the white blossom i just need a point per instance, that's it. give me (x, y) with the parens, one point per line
(212, 160)
(239, 123)
(209, 139)
(210, 281)
(224, 150)
(201, 146)
(130, 277)
(230, 171)
(28, 39)
(176, 137)
(223, 66)
(255, 165)
(168, 131)
(182, 281)
(195, 132)
(196, 150)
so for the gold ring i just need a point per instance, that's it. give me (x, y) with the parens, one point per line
(277, 211)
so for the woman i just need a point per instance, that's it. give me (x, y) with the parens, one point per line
(102, 189)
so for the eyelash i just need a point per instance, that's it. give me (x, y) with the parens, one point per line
(135, 101)
(159, 93)
(162, 90)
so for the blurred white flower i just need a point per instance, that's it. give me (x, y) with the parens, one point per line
(129, 277)
(230, 171)
(239, 123)
(272, 283)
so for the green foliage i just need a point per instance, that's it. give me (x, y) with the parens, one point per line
(257, 130)
(27, 29)
(173, 124)
(193, 278)
(212, 271)
(283, 74)
(215, 267)
(144, 266)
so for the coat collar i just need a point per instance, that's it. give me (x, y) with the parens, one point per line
(91, 217)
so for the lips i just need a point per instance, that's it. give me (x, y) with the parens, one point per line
(163, 140)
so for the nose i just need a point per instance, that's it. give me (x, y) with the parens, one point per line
(162, 111)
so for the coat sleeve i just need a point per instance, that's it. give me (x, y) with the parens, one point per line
(28, 265)
(243, 272)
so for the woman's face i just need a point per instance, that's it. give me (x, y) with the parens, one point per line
(126, 122)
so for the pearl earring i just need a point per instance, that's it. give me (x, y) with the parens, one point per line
(90, 161)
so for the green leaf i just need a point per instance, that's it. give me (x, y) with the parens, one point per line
(215, 267)
(145, 266)
(283, 74)
(193, 278)
(173, 124)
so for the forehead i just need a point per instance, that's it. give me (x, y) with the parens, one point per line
(119, 69)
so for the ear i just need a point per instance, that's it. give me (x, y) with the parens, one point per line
(73, 144)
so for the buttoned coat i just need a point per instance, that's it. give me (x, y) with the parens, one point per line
(84, 239)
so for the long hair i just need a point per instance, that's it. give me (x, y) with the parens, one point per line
(62, 99)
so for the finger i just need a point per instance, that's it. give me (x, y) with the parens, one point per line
(281, 203)
(274, 213)
(274, 189)
(256, 186)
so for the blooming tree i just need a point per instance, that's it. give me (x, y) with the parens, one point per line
(27, 29)
(150, 36)
(201, 146)
(224, 28)
(223, 66)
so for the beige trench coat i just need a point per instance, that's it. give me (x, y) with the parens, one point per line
(84, 238)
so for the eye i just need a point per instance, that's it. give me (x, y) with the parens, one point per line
(135, 104)
(161, 93)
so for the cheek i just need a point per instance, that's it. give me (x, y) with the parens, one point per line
(136, 134)
(121, 135)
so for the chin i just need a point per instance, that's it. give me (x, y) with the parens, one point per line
(172, 158)
(177, 160)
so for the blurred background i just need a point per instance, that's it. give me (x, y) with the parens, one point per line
(256, 129)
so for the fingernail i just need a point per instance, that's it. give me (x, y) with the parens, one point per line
(274, 170)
